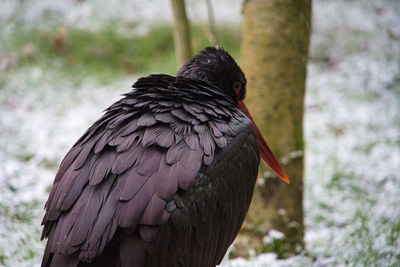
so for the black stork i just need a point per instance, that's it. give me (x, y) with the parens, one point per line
(164, 178)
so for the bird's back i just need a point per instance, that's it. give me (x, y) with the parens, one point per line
(164, 178)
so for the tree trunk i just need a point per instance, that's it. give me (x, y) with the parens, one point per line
(183, 48)
(211, 24)
(275, 43)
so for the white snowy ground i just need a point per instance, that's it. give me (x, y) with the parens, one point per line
(352, 128)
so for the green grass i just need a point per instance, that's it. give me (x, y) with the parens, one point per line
(105, 53)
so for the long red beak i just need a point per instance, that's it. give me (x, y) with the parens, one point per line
(266, 154)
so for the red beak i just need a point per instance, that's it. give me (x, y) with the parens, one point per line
(266, 154)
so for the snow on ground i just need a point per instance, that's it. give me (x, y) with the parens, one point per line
(353, 136)
(352, 128)
(93, 13)
(40, 120)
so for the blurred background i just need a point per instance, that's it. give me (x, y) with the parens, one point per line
(63, 62)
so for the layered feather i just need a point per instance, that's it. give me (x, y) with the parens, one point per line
(120, 175)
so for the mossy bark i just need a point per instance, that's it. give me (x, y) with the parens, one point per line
(183, 49)
(275, 44)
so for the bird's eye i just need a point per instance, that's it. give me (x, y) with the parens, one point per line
(237, 86)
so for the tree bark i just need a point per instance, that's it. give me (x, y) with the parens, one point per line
(275, 43)
(183, 48)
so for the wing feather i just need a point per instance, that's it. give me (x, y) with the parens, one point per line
(75, 190)
(205, 223)
(127, 159)
(154, 211)
(133, 184)
(101, 166)
(132, 210)
(167, 180)
(188, 167)
(83, 155)
(113, 186)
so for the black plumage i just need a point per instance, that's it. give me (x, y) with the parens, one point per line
(163, 178)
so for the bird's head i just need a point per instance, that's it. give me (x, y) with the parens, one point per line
(216, 67)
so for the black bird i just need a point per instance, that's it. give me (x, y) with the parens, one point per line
(164, 178)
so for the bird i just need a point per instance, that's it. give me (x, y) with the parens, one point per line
(165, 177)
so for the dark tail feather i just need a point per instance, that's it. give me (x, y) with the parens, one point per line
(48, 256)
(64, 261)
(132, 251)
(109, 258)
